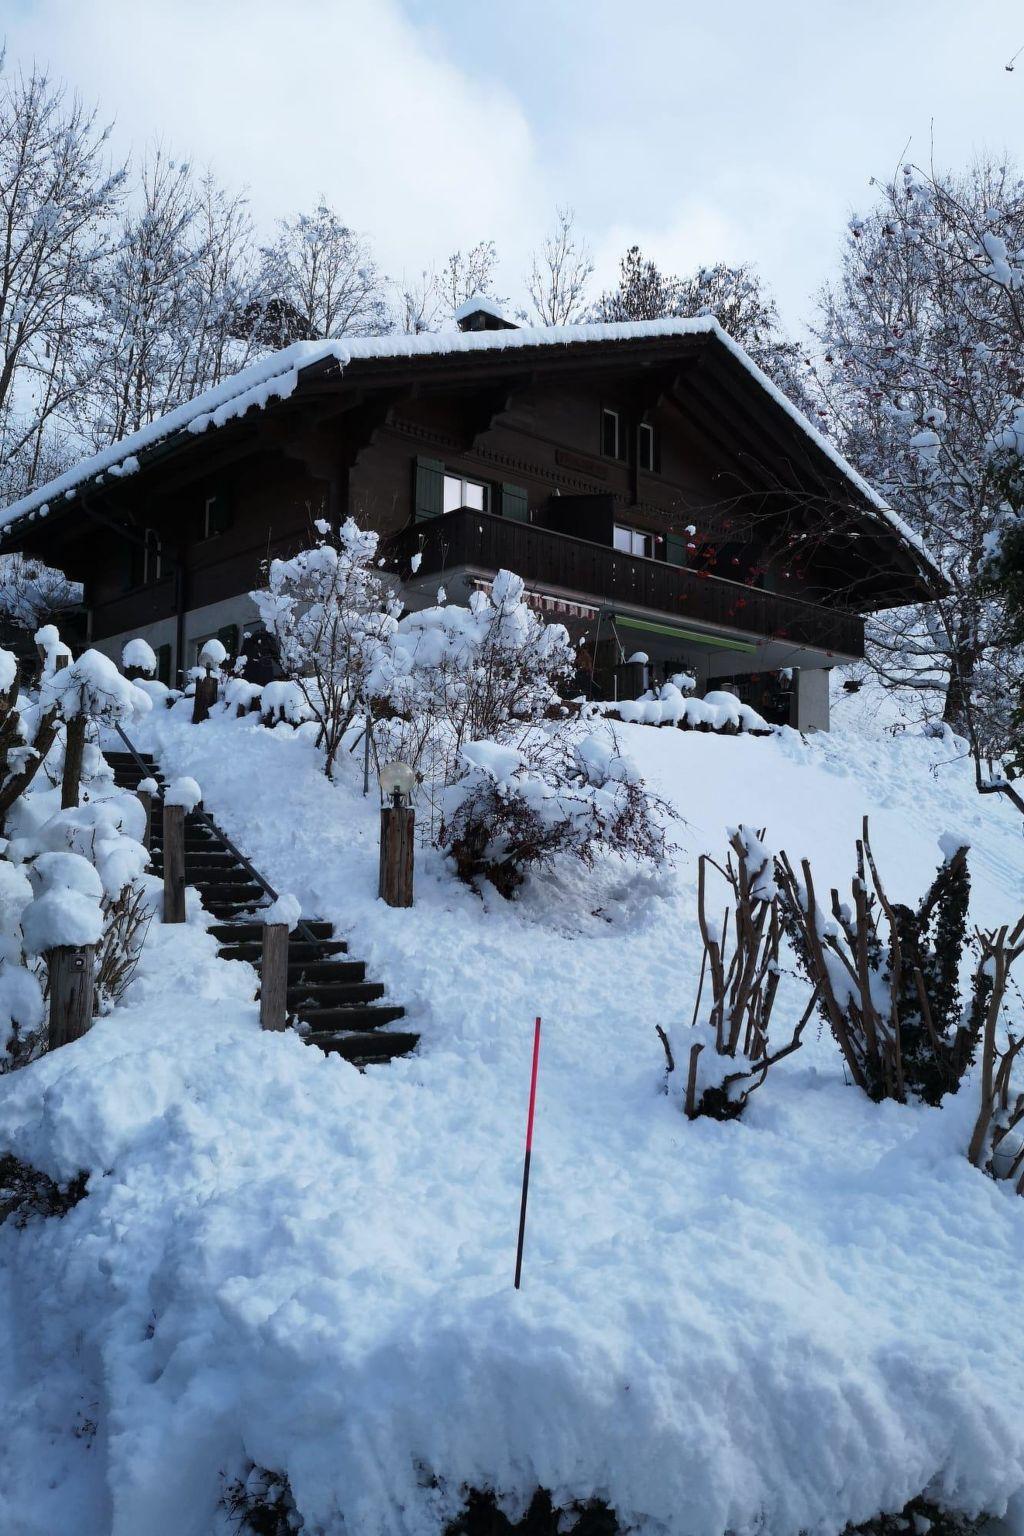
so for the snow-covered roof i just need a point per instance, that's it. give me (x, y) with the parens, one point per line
(276, 376)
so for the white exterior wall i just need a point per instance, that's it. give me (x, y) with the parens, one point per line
(199, 624)
(810, 699)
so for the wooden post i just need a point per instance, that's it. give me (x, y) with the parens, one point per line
(205, 698)
(145, 799)
(74, 751)
(174, 863)
(396, 853)
(274, 977)
(71, 993)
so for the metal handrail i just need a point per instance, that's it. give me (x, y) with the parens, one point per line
(250, 869)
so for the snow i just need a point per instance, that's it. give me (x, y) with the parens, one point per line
(66, 907)
(774, 1326)
(8, 670)
(93, 686)
(480, 303)
(139, 653)
(184, 791)
(213, 653)
(276, 377)
(287, 909)
(716, 711)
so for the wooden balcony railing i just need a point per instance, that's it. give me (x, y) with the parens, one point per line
(556, 561)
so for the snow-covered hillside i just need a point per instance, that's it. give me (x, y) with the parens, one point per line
(781, 1324)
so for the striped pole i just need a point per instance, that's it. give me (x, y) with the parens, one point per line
(529, 1149)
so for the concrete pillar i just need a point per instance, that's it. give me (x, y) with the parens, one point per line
(809, 707)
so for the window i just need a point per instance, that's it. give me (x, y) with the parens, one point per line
(645, 446)
(459, 492)
(216, 516)
(610, 436)
(144, 559)
(633, 541)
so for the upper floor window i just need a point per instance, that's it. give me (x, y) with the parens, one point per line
(633, 541)
(216, 514)
(459, 492)
(645, 445)
(611, 434)
(144, 559)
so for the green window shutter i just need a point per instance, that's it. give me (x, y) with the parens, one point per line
(428, 498)
(675, 548)
(163, 664)
(514, 503)
(228, 637)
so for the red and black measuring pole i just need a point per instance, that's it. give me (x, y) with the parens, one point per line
(529, 1149)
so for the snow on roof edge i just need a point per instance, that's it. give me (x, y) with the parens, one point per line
(275, 377)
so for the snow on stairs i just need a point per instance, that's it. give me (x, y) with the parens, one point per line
(339, 1010)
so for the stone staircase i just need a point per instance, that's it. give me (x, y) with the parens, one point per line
(329, 999)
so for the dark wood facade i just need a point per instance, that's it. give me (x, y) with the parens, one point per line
(745, 526)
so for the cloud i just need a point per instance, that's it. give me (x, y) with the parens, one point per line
(305, 98)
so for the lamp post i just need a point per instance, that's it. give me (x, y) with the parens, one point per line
(397, 820)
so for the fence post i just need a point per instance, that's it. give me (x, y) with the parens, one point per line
(397, 821)
(274, 977)
(174, 863)
(71, 993)
(74, 751)
(205, 698)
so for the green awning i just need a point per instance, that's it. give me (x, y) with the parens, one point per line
(674, 633)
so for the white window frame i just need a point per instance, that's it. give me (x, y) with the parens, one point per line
(207, 504)
(645, 428)
(635, 535)
(463, 481)
(607, 410)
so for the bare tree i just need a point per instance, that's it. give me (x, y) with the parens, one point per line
(924, 340)
(559, 274)
(57, 199)
(468, 275)
(418, 303)
(326, 274)
(149, 315)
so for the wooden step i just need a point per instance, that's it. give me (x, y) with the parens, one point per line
(300, 952)
(361, 1016)
(318, 996)
(216, 889)
(253, 932)
(365, 1049)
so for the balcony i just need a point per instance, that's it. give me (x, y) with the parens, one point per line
(566, 566)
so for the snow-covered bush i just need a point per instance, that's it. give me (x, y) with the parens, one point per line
(329, 612)
(473, 672)
(717, 711)
(68, 876)
(138, 659)
(261, 1504)
(284, 701)
(518, 808)
(997, 1142)
(27, 735)
(89, 691)
(727, 1049)
(887, 976)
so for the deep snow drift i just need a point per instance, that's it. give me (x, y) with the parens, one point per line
(782, 1324)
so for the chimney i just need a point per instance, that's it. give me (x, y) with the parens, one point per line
(482, 314)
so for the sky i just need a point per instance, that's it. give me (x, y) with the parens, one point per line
(703, 132)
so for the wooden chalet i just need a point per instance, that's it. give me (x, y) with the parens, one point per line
(656, 492)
